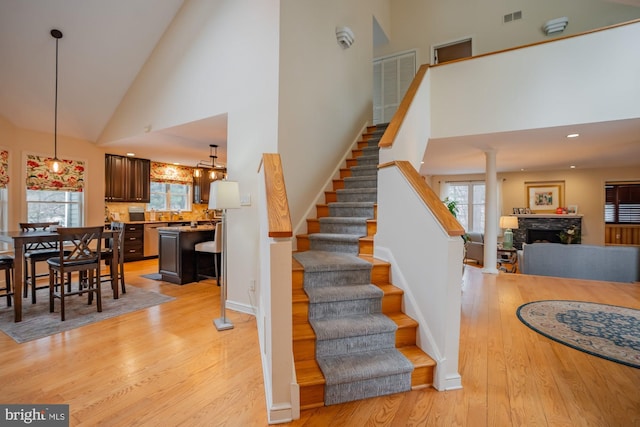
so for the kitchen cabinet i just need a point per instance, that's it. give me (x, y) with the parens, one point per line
(115, 179)
(201, 186)
(133, 244)
(177, 261)
(127, 179)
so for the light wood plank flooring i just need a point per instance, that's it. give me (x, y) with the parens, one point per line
(168, 366)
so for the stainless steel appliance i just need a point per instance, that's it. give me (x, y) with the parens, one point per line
(151, 238)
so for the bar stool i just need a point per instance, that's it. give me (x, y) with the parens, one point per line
(213, 247)
(33, 254)
(6, 264)
(116, 272)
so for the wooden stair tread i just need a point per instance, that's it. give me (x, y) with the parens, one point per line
(309, 373)
(416, 356)
(299, 296)
(303, 331)
(402, 320)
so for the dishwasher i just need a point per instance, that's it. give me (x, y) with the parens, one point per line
(151, 238)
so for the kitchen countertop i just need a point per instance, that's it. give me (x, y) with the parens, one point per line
(187, 228)
(200, 221)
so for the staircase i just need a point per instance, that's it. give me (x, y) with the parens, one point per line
(351, 340)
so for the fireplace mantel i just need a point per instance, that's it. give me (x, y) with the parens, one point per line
(548, 215)
(543, 222)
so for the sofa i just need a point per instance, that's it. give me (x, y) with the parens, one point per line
(589, 262)
(474, 247)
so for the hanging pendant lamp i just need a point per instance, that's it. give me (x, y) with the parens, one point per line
(55, 165)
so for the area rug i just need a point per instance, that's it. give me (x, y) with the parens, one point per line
(37, 322)
(153, 276)
(607, 331)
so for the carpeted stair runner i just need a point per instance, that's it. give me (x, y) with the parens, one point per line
(355, 342)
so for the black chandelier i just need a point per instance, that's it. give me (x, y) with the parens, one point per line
(210, 164)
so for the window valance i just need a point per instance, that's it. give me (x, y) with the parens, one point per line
(4, 168)
(70, 177)
(171, 174)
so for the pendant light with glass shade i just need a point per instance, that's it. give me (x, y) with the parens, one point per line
(55, 165)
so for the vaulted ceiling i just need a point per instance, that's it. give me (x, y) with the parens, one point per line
(106, 43)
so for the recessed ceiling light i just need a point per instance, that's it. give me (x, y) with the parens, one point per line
(573, 135)
(572, 166)
(131, 154)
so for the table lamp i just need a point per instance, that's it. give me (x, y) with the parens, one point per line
(224, 195)
(508, 222)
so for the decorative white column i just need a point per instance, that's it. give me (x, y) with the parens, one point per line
(490, 214)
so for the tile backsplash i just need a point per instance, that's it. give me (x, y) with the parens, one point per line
(120, 211)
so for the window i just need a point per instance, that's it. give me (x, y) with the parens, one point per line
(171, 187)
(470, 201)
(51, 206)
(170, 197)
(622, 203)
(55, 196)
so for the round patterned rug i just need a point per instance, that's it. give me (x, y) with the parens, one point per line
(606, 331)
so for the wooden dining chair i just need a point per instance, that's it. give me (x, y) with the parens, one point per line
(213, 247)
(82, 255)
(7, 264)
(115, 273)
(34, 253)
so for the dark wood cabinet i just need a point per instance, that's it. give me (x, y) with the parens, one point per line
(139, 176)
(177, 260)
(133, 244)
(115, 178)
(201, 186)
(127, 179)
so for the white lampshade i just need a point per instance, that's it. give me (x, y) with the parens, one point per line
(508, 222)
(224, 195)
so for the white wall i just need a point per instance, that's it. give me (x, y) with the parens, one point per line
(477, 97)
(420, 24)
(325, 90)
(216, 57)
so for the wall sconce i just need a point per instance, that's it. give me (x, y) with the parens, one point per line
(345, 37)
(554, 26)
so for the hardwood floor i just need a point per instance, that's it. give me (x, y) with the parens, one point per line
(168, 366)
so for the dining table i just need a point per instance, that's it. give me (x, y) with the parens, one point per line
(20, 238)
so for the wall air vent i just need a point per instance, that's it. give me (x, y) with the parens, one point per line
(514, 16)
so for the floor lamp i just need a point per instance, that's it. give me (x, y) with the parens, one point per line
(224, 195)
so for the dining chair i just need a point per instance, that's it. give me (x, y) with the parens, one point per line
(6, 264)
(83, 252)
(116, 272)
(213, 247)
(35, 253)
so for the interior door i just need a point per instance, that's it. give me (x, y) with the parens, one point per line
(392, 76)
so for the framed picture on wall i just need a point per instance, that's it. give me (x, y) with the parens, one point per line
(544, 196)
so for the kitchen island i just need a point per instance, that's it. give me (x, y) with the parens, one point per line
(177, 263)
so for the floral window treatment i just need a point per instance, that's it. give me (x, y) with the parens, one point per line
(70, 177)
(4, 168)
(171, 174)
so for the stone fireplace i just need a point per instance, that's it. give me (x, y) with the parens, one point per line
(535, 235)
(543, 228)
